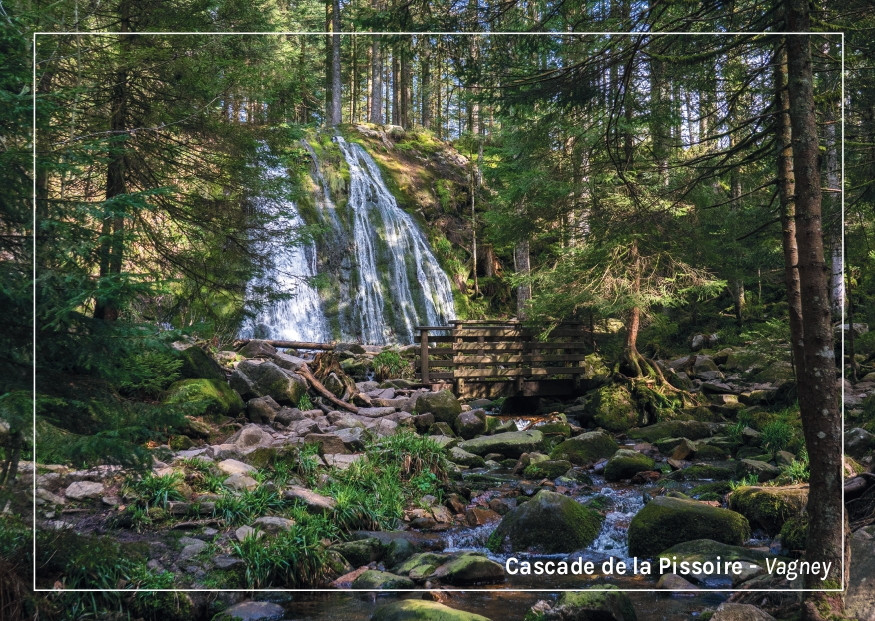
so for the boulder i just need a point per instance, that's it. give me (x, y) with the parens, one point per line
(769, 507)
(464, 458)
(690, 429)
(420, 566)
(548, 523)
(254, 611)
(262, 410)
(469, 425)
(605, 602)
(703, 550)
(859, 443)
(208, 397)
(84, 490)
(443, 405)
(764, 471)
(361, 551)
(613, 408)
(266, 378)
(273, 525)
(728, 611)
(422, 610)
(250, 437)
(257, 348)
(625, 463)
(330, 442)
(233, 466)
(469, 568)
(664, 522)
(240, 482)
(197, 364)
(509, 444)
(585, 449)
(547, 469)
(374, 580)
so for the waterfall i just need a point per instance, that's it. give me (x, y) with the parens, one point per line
(383, 279)
(293, 257)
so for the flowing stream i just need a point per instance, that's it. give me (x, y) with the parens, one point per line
(379, 277)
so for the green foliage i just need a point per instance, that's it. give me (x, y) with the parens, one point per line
(304, 403)
(149, 372)
(389, 364)
(236, 508)
(155, 490)
(748, 480)
(776, 435)
(289, 559)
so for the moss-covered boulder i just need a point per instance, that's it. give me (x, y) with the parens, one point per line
(469, 568)
(443, 405)
(361, 551)
(613, 408)
(769, 507)
(509, 444)
(703, 550)
(464, 458)
(664, 522)
(702, 472)
(420, 566)
(585, 449)
(794, 533)
(208, 397)
(548, 523)
(197, 364)
(261, 379)
(625, 463)
(375, 580)
(605, 602)
(690, 429)
(422, 610)
(763, 470)
(547, 469)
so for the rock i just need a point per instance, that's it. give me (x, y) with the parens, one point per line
(664, 522)
(728, 611)
(398, 551)
(764, 471)
(464, 458)
(247, 531)
(612, 407)
(250, 437)
(673, 582)
(232, 466)
(468, 425)
(421, 610)
(860, 596)
(374, 580)
(192, 547)
(625, 463)
(510, 444)
(585, 449)
(422, 422)
(83, 490)
(859, 443)
(254, 611)
(240, 482)
(549, 523)
(690, 429)
(547, 469)
(262, 410)
(314, 501)
(502, 505)
(257, 348)
(469, 568)
(477, 516)
(703, 550)
(352, 437)
(274, 525)
(212, 397)
(769, 507)
(699, 341)
(330, 442)
(443, 405)
(197, 364)
(268, 379)
(287, 361)
(361, 551)
(605, 602)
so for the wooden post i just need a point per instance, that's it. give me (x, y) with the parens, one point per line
(423, 354)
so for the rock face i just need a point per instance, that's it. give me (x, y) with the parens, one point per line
(443, 405)
(510, 444)
(769, 507)
(549, 523)
(665, 521)
(625, 463)
(215, 397)
(421, 610)
(585, 449)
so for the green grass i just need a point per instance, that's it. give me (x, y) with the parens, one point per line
(155, 490)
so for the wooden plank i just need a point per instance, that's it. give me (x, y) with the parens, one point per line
(492, 332)
(517, 358)
(503, 346)
(464, 373)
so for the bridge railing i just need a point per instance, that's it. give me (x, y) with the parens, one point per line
(490, 352)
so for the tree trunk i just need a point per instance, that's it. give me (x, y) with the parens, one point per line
(833, 210)
(818, 389)
(523, 267)
(425, 91)
(376, 97)
(336, 115)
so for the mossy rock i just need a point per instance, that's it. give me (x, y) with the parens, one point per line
(555, 429)
(443, 405)
(702, 550)
(375, 580)
(211, 397)
(664, 522)
(496, 425)
(198, 364)
(769, 507)
(547, 469)
(690, 429)
(605, 602)
(700, 472)
(710, 452)
(510, 444)
(422, 610)
(719, 488)
(585, 449)
(613, 408)
(469, 568)
(266, 378)
(763, 470)
(548, 523)
(625, 463)
(360, 552)
(420, 566)
(794, 533)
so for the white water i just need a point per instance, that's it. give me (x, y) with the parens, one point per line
(378, 218)
(299, 318)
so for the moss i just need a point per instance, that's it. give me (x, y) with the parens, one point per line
(690, 429)
(209, 397)
(548, 469)
(794, 532)
(717, 487)
(422, 610)
(702, 472)
(585, 449)
(612, 407)
(769, 508)
(603, 601)
(625, 463)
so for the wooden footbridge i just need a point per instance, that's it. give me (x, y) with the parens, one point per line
(491, 359)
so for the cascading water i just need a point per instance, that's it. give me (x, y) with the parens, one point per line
(383, 278)
(300, 317)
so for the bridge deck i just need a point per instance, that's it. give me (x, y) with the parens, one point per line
(503, 358)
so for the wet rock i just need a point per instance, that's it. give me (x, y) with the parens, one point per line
(547, 469)
(84, 490)
(420, 566)
(769, 507)
(683, 450)
(262, 410)
(740, 612)
(664, 522)
(254, 611)
(464, 458)
(586, 448)
(212, 397)
(477, 516)
(626, 463)
(603, 603)
(510, 444)
(443, 405)
(374, 580)
(549, 523)
(398, 551)
(502, 505)
(421, 610)
(469, 424)
(469, 568)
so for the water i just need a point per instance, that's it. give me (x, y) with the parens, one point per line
(382, 278)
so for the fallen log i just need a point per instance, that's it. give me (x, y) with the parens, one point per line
(290, 344)
(304, 371)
